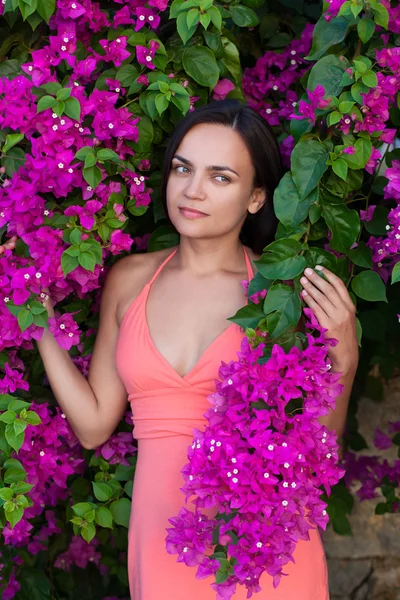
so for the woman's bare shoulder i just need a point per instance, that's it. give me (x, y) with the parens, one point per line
(129, 275)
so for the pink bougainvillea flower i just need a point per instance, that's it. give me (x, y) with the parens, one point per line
(120, 242)
(381, 440)
(143, 79)
(123, 17)
(222, 89)
(349, 150)
(86, 213)
(373, 161)
(115, 51)
(145, 55)
(12, 381)
(161, 5)
(316, 99)
(114, 86)
(65, 330)
(145, 16)
(366, 215)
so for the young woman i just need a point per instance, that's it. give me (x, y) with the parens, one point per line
(163, 334)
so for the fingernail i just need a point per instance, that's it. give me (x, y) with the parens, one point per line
(303, 280)
(308, 271)
(319, 267)
(304, 293)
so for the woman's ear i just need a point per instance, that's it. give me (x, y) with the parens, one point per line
(257, 200)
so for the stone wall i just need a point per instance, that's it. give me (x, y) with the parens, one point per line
(366, 566)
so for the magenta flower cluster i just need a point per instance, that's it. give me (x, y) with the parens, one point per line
(269, 86)
(260, 464)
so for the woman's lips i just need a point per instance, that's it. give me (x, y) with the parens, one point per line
(191, 213)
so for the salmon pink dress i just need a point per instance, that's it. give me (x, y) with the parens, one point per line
(166, 408)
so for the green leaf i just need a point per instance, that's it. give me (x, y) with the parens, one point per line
(45, 102)
(34, 20)
(346, 105)
(87, 261)
(83, 152)
(280, 40)
(381, 15)
(175, 8)
(52, 87)
(328, 72)
(107, 154)
(90, 160)
(200, 64)
(185, 32)
(46, 8)
(361, 256)
(75, 236)
(365, 29)
(192, 17)
(369, 286)
(396, 273)
(11, 140)
(287, 205)
(27, 9)
(205, 19)
(326, 34)
(120, 510)
(308, 164)
(25, 319)
(68, 263)
(64, 93)
(281, 260)
(359, 159)
(286, 301)
(340, 168)
(370, 79)
(344, 225)
(357, 89)
(248, 316)
(378, 223)
(360, 66)
(215, 17)
(126, 75)
(73, 109)
(102, 491)
(231, 59)
(58, 107)
(161, 103)
(243, 16)
(104, 517)
(92, 175)
(314, 213)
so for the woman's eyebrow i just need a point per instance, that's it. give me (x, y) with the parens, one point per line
(209, 168)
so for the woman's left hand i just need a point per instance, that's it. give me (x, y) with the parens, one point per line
(331, 303)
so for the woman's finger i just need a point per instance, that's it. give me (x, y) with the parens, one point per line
(320, 314)
(9, 244)
(326, 288)
(323, 301)
(339, 286)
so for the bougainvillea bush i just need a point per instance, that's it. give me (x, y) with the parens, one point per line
(88, 95)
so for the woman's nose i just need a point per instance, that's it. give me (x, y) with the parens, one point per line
(195, 188)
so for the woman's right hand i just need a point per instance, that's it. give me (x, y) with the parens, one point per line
(9, 244)
(45, 299)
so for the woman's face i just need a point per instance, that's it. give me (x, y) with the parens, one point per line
(210, 186)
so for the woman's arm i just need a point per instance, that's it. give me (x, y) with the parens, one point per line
(335, 311)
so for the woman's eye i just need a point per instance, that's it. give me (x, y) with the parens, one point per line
(223, 179)
(181, 169)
